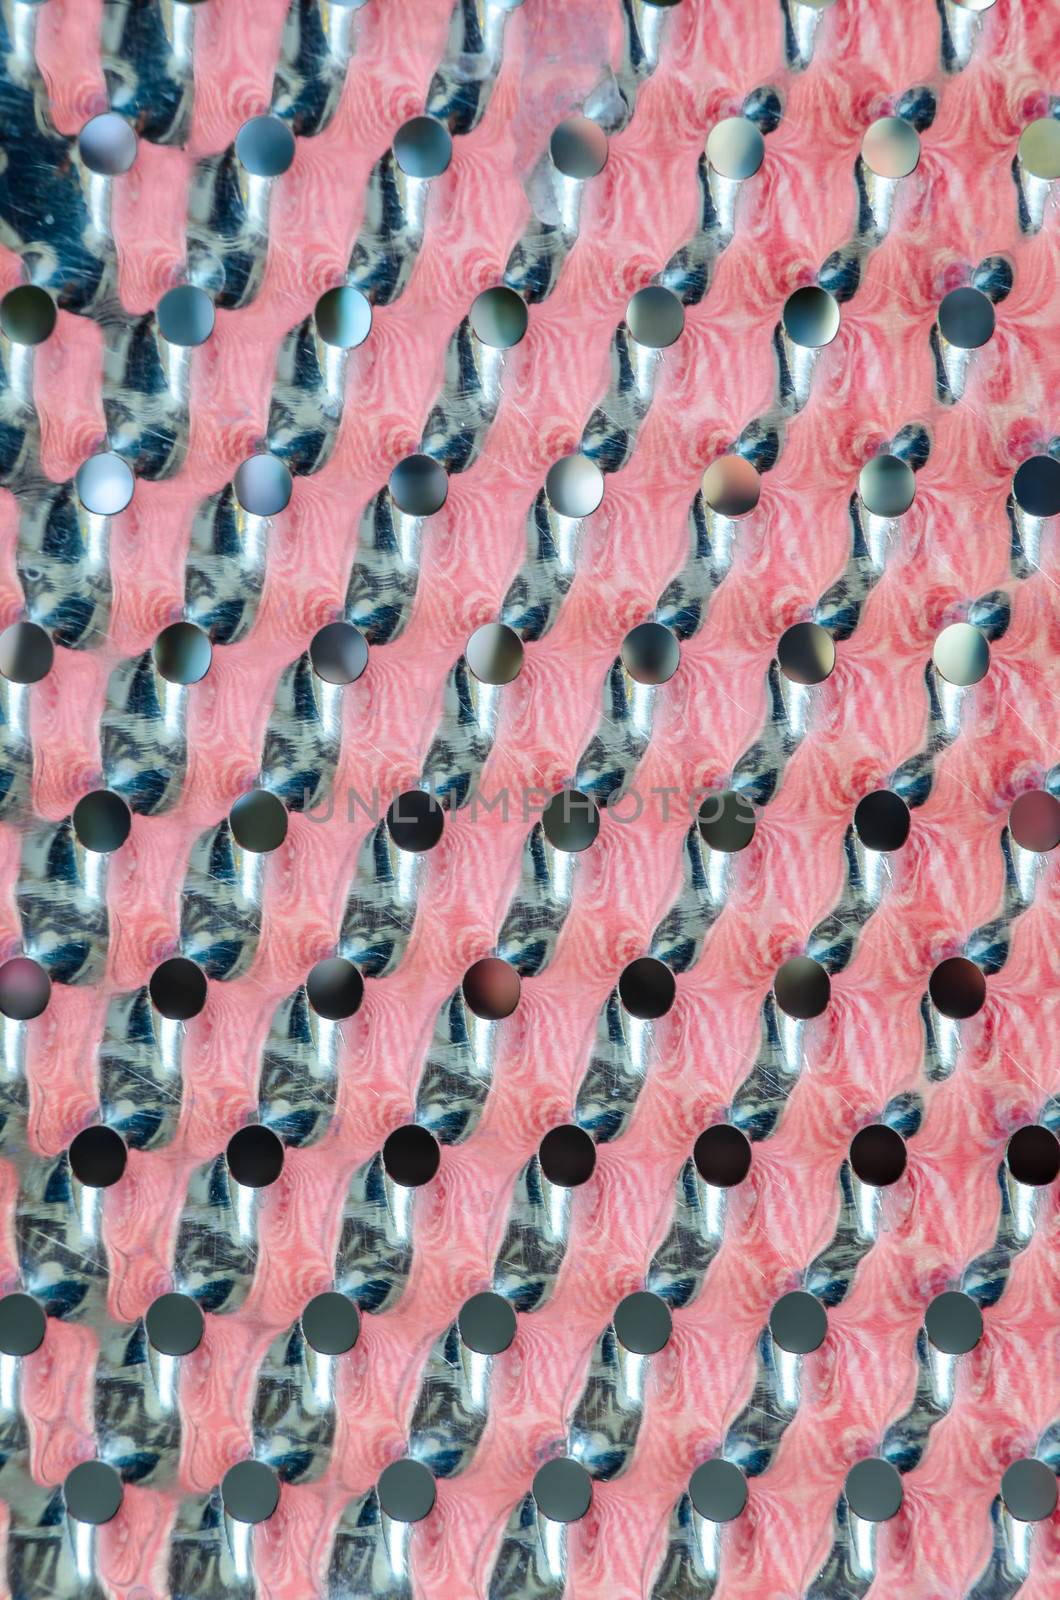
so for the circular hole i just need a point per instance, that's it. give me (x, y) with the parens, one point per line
(415, 821)
(499, 318)
(263, 486)
(25, 989)
(567, 1156)
(22, 1325)
(578, 148)
(265, 146)
(104, 484)
(406, 1491)
(1034, 821)
(727, 821)
(887, 486)
(647, 988)
(891, 147)
(186, 315)
(881, 820)
(811, 317)
(259, 821)
(107, 145)
(1028, 1489)
(574, 486)
(798, 1322)
(1036, 486)
(563, 1490)
(878, 1155)
(178, 989)
(491, 988)
(651, 653)
(93, 1492)
(335, 988)
(487, 1324)
(98, 1156)
(183, 653)
(419, 486)
(954, 1323)
(339, 652)
(423, 147)
(802, 988)
(966, 318)
(735, 148)
(655, 317)
(1039, 147)
(343, 317)
(961, 654)
(718, 1490)
(331, 1324)
(411, 1156)
(643, 1323)
(27, 314)
(571, 821)
(250, 1491)
(806, 653)
(26, 653)
(102, 821)
(494, 653)
(254, 1156)
(874, 1490)
(731, 486)
(174, 1324)
(722, 1156)
(1033, 1155)
(957, 988)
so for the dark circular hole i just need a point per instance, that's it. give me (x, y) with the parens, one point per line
(723, 1156)
(105, 484)
(250, 1491)
(1033, 1155)
(571, 821)
(491, 988)
(578, 147)
(335, 988)
(265, 146)
(26, 653)
(343, 317)
(178, 989)
(718, 1490)
(881, 820)
(731, 486)
(643, 1323)
(419, 486)
(499, 318)
(874, 1490)
(259, 821)
(574, 485)
(735, 148)
(411, 1156)
(93, 1492)
(647, 988)
(22, 1325)
(98, 1156)
(339, 652)
(423, 147)
(727, 821)
(186, 315)
(887, 486)
(1036, 486)
(175, 1324)
(406, 1491)
(415, 821)
(102, 821)
(331, 1324)
(254, 1156)
(878, 1155)
(567, 1155)
(494, 653)
(263, 486)
(954, 1323)
(966, 318)
(811, 317)
(107, 145)
(957, 988)
(806, 653)
(1028, 1489)
(802, 988)
(1034, 821)
(25, 989)
(655, 317)
(798, 1322)
(183, 653)
(651, 653)
(487, 1324)
(27, 314)
(563, 1490)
